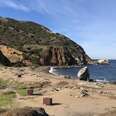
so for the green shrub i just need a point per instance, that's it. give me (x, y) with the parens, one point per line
(7, 98)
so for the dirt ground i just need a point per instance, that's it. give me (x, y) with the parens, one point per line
(101, 99)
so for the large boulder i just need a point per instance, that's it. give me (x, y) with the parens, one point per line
(27, 111)
(10, 56)
(83, 74)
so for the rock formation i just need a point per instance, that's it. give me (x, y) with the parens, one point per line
(103, 61)
(4, 60)
(27, 111)
(39, 45)
(9, 56)
(83, 74)
(57, 56)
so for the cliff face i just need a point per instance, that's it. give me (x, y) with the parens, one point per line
(57, 56)
(38, 44)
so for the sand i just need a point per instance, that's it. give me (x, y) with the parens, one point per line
(64, 92)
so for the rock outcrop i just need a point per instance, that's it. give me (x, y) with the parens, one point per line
(103, 61)
(4, 60)
(39, 44)
(9, 56)
(27, 111)
(83, 74)
(57, 56)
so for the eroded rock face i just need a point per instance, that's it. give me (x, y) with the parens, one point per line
(27, 111)
(57, 56)
(10, 56)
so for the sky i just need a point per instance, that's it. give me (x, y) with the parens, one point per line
(90, 23)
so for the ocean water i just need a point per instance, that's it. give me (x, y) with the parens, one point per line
(97, 72)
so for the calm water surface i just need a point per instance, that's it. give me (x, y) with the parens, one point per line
(97, 72)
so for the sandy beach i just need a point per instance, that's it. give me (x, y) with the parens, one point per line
(64, 92)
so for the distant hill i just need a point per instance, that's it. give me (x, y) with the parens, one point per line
(38, 44)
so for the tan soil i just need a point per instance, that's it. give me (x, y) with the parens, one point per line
(65, 93)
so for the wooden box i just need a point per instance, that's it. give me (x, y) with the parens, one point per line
(30, 92)
(47, 101)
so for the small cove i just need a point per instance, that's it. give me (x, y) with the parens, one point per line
(97, 72)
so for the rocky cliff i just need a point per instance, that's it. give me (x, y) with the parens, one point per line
(32, 43)
(57, 56)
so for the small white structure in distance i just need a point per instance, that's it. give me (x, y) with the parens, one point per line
(103, 61)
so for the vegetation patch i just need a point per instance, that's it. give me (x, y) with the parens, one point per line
(21, 89)
(7, 98)
(3, 84)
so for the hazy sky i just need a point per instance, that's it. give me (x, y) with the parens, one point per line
(91, 23)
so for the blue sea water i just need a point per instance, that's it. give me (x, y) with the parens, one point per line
(97, 72)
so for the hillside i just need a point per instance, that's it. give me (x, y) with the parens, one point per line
(38, 44)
